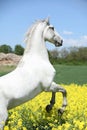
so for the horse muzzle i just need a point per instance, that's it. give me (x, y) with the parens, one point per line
(57, 44)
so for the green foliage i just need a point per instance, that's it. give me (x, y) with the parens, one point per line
(70, 56)
(19, 50)
(5, 48)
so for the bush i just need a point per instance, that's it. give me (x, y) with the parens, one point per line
(5, 48)
(19, 50)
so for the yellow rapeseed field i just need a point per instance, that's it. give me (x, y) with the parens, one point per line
(33, 116)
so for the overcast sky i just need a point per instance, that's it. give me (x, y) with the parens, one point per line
(69, 17)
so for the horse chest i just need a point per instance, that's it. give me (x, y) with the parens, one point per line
(48, 75)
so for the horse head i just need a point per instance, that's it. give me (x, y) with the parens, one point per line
(51, 35)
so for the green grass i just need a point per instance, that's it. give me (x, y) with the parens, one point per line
(6, 69)
(65, 74)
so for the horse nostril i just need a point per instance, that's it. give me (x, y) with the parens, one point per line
(61, 41)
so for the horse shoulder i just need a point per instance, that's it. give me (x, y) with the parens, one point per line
(48, 74)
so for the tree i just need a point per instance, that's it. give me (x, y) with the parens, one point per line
(64, 53)
(54, 53)
(82, 53)
(5, 48)
(19, 50)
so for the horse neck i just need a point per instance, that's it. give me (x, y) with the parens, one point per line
(36, 45)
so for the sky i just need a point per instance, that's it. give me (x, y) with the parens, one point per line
(69, 17)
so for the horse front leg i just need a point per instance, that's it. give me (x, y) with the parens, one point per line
(52, 102)
(57, 88)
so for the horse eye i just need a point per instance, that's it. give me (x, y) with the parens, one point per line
(52, 28)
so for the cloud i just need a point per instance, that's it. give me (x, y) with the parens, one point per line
(82, 41)
(67, 32)
(84, 37)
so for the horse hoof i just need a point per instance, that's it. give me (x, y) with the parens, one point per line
(60, 112)
(48, 108)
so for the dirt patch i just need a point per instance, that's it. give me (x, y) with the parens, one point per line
(9, 59)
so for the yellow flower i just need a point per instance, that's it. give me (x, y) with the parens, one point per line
(59, 128)
(67, 125)
(54, 129)
(86, 128)
(24, 128)
(19, 122)
(81, 125)
(14, 128)
(6, 128)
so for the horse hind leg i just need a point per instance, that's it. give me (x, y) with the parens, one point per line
(3, 117)
(64, 93)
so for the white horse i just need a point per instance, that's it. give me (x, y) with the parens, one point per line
(34, 72)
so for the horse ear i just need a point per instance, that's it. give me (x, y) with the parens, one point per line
(47, 20)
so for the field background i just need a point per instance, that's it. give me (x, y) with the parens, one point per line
(71, 74)
(6, 69)
(65, 74)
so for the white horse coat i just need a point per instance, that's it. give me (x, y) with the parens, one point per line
(34, 72)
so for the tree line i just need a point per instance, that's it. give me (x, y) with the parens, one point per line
(71, 55)
(18, 49)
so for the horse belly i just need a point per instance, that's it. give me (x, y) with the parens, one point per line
(18, 101)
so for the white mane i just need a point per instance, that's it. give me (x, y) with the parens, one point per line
(31, 30)
(29, 34)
